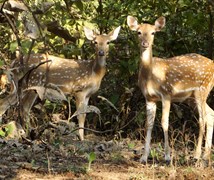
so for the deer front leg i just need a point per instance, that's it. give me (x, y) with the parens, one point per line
(165, 125)
(81, 105)
(151, 111)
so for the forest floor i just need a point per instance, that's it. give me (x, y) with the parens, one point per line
(65, 157)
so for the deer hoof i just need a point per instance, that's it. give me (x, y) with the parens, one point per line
(143, 160)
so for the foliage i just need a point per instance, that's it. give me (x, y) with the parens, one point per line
(9, 130)
(91, 157)
(189, 28)
(2, 133)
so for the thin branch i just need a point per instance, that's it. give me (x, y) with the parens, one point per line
(15, 31)
(1, 10)
(34, 17)
(33, 68)
(30, 49)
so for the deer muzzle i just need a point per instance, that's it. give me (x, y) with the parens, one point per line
(101, 53)
(144, 44)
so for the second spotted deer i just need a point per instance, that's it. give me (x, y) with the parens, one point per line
(176, 79)
(78, 78)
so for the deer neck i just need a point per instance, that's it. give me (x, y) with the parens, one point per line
(99, 66)
(146, 62)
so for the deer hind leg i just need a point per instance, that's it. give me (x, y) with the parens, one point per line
(209, 134)
(166, 103)
(27, 103)
(81, 105)
(200, 99)
(150, 111)
(6, 102)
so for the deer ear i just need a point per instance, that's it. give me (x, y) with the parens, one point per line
(113, 34)
(160, 23)
(132, 23)
(90, 35)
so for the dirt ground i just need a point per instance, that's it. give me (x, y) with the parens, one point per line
(63, 157)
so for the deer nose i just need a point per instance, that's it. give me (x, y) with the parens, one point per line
(101, 53)
(145, 44)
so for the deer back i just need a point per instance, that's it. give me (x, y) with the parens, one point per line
(181, 74)
(69, 75)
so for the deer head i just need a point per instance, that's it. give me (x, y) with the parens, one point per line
(146, 32)
(101, 41)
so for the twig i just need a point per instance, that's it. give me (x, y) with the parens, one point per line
(92, 130)
(1, 10)
(110, 103)
(34, 17)
(33, 68)
(95, 131)
(29, 52)
(50, 124)
(69, 108)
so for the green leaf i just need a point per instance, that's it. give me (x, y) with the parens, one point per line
(91, 157)
(114, 98)
(25, 45)
(89, 25)
(9, 128)
(79, 5)
(131, 145)
(81, 42)
(2, 133)
(1, 63)
(13, 46)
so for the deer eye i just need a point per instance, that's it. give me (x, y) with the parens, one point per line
(153, 33)
(108, 42)
(139, 33)
(95, 42)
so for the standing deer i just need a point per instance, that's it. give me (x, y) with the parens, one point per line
(189, 76)
(78, 78)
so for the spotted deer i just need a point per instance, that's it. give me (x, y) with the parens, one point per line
(176, 79)
(78, 78)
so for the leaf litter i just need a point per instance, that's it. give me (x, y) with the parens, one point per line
(65, 157)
